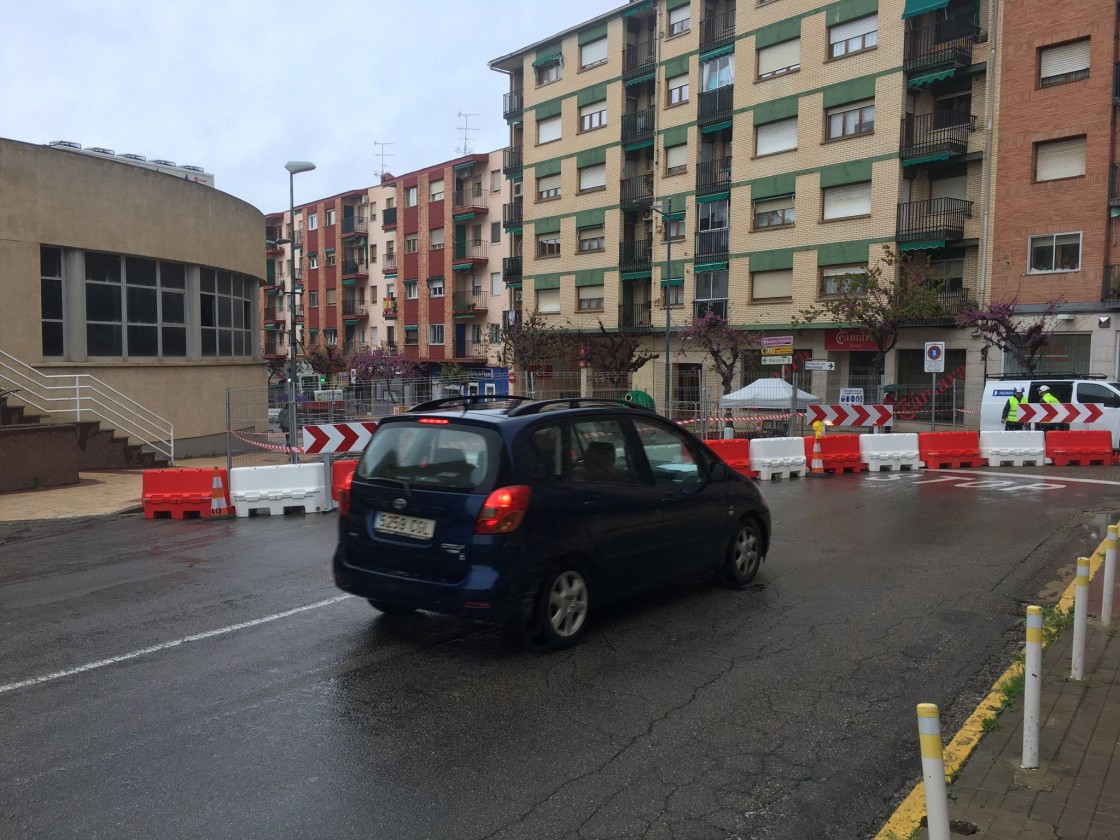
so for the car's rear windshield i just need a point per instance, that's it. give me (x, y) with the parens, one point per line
(433, 456)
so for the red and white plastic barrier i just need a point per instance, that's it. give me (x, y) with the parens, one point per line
(851, 415)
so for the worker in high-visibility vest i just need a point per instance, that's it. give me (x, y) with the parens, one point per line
(1011, 411)
(1048, 397)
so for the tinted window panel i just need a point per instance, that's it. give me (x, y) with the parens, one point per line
(103, 339)
(103, 303)
(433, 457)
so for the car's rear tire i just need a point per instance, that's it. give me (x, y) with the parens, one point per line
(744, 554)
(562, 608)
(390, 609)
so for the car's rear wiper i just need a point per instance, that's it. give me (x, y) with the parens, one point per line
(392, 482)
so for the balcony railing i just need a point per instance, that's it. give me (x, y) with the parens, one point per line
(297, 313)
(717, 30)
(352, 224)
(712, 244)
(944, 43)
(949, 303)
(354, 345)
(638, 126)
(388, 262)
(299, 238)
(389, 217)
(389, 307)
(273, 347)
(471, 249)
(1114, 185)
(354, 307)
(512, 104)
(511, 269)
(353, 267)
(713, 176)
(636, 255)
(638, 60)
(511, 317)
(468, 304)
(935, 219)
(472, 197)
(716, 105)
(636, 189)
(512, 214)
(390, 347)
(701, 308)
(939, 133)
(635, 316)
(1110, 289)
(271, 313)
(512, 160)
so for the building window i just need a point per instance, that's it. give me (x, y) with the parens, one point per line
(411, 289)
(1059, 159)
(1063, 63)
(312, 261)
(593, 53)
(593, 177)
(330, 337)
(774, 212)
(50, 297)
(853, 36)
(847, 201)
(850, 120)
(411, 335)
(592, 239)
(768, 285)
(550, 71)
(593, 116)
(495, 232)
(780, 136)
(496, 180)
(330, 297)
(680, 20)
(711, 286)
(675, 229)
(678, 90)
(712, 215)
(313, 300)
(435, 190)
(313, 221)
(330, 217)
(226, 314)
(495, 282)
(842, 279)
(411, 243)
(676, 296)
(1055, 252)
(676, 159)
(590, 298)
(411, 196)
(717, 73)
(779, 59)
(435, 239)
(435, 287)
(331, 258)
(548, 245)
(548, 187)
(548, 301)
(495, 331)
(548, 130)
(435, 333)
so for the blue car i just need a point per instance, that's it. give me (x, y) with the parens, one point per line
(535, 513)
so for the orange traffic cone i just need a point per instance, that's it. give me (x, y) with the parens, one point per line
(817, 467)
(217, 495)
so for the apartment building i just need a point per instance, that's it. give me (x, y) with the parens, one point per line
(1057, 198)
(371, 268)
(744, 159)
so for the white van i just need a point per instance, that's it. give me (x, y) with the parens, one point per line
(1075, 389)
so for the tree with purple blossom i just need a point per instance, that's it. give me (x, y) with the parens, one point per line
(1021, 337)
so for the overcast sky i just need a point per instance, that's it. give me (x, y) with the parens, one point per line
(240, 88)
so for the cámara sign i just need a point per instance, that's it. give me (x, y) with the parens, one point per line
(848, 340)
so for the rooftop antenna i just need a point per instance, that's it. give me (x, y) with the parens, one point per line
(381, 153)
(465, 149)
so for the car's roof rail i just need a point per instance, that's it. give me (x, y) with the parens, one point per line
(537, 406)
(467, 401)
(1062, 374)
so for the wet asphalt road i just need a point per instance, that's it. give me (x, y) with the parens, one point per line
(786, 711)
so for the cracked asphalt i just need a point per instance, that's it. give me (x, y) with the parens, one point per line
(192, 679)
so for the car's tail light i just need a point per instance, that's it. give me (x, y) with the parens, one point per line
(344, 495)
(503, 510)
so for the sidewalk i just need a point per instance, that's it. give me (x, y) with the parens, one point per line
(1075, 792)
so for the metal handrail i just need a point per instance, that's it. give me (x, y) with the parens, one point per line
(62, 394)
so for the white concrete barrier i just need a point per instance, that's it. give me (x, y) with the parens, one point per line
(890, 452)
(1015, 449)
(782, 457)
(278, 488)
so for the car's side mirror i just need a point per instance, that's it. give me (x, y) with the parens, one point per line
(719, 472)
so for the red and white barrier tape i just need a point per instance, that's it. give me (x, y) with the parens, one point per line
(748, 419)
(270, 447)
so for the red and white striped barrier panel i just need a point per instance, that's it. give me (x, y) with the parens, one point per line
(852, 415)
(1059, 413)
(337, 437)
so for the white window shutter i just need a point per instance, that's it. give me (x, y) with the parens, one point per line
(1060, 159)
(1064, 58)
(772, 284)
(848, 200)
(549, 182)
(779, 56)
(771, 204)
(676, 156)
(776, 137)
(949, 188)
(548, 130)
(594, 52)
(853, 29)
(593, 176)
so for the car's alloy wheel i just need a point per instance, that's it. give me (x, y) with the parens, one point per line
(562, 609)
(744, 555)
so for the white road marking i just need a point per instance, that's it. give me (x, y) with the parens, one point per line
(1040, 477)
(101, 663)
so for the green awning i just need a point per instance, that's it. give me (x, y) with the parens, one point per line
(720, 126)
(547, 58)
(926, 159)
(637, 80)
(641, 144)
(349, 320)
(920, 7)
(637, 8)
(637, 275)
(330, 250)
(462, 267)
(710, 266)
(390, 275)
(463, 217)
(272, 326)
(516, 285)
(271, 290)
(408, 328)
(514, 229)
(515, 121)
(930, 78)
(925, 245)
(706, 199)
(460, 167)
(678, 281)
(1114, 212)
(675, 216)
(349, 281)
(717, 53)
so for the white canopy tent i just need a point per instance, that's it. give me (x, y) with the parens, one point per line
(766, 393)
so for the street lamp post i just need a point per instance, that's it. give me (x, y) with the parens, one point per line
(294, 167)
(666, 218)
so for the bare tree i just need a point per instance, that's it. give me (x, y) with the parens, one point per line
(999, 327)
(616, 354)
(723, 343)
(531, 342)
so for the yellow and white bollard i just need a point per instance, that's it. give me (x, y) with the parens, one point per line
(1032, 688)
(933, 771)
(1109, 576)
(1080, 618)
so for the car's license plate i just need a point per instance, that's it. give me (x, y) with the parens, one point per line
(406, 526)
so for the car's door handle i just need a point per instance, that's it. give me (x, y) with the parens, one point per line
(587, 505)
